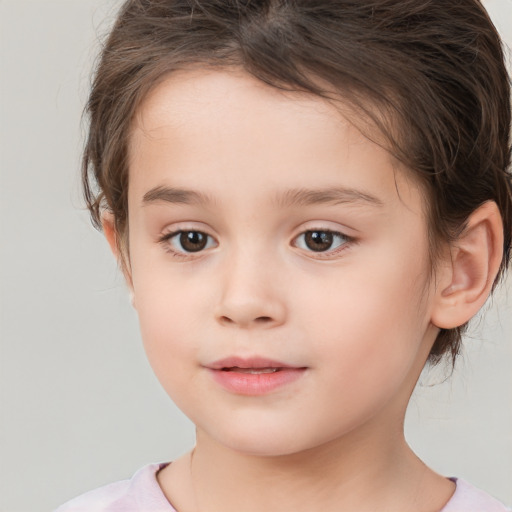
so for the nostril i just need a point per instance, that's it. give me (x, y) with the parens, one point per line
(263, 319)
(259, 320)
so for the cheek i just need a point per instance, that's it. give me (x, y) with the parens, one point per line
(165, 316)
(371, 321)
(171, 347)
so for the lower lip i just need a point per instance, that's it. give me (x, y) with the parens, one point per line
(254, 384)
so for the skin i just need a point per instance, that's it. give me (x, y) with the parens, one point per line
(360, 317)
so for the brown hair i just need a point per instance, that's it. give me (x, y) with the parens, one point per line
(430, 74)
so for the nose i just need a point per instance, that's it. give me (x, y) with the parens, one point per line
(250, 295)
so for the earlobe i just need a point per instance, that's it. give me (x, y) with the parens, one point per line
(466, 279)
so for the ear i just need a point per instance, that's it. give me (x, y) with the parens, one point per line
(467, 276)
(107, 223)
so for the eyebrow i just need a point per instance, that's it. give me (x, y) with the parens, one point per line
(293, 197)
(334, 195)
(175, 196)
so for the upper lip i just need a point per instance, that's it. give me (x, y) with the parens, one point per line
(247, 362)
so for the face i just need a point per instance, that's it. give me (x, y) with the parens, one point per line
(278, 260)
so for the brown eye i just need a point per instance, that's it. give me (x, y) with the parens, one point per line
(186, 242)
(193, 241)
(318, 240)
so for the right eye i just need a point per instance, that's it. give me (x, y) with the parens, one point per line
(186, 242)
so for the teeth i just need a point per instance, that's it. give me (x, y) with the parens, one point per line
(253, 371)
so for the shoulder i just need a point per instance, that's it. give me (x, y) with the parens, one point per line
(140, 493)
(470, 499)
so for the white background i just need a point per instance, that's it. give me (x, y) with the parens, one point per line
(79, 404)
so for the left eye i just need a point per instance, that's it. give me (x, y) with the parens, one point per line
(189, 241)
(320, 240)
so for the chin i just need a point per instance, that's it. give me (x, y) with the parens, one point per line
(259, 441)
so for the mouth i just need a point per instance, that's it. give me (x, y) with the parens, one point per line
(251, 371)
(255, 364)
(254, 376)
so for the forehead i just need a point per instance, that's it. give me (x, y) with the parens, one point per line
(200, 102)
(209, 127)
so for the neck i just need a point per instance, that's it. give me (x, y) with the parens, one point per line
(318, 479)
(358, 472)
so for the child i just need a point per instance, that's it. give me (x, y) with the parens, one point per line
(309, 200)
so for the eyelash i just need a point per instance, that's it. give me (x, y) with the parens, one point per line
(166, 241)
(343, 245)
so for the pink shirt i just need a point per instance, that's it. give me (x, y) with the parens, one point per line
(143, 494)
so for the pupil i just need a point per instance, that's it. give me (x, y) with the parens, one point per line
(193, 241)
(318, 240)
